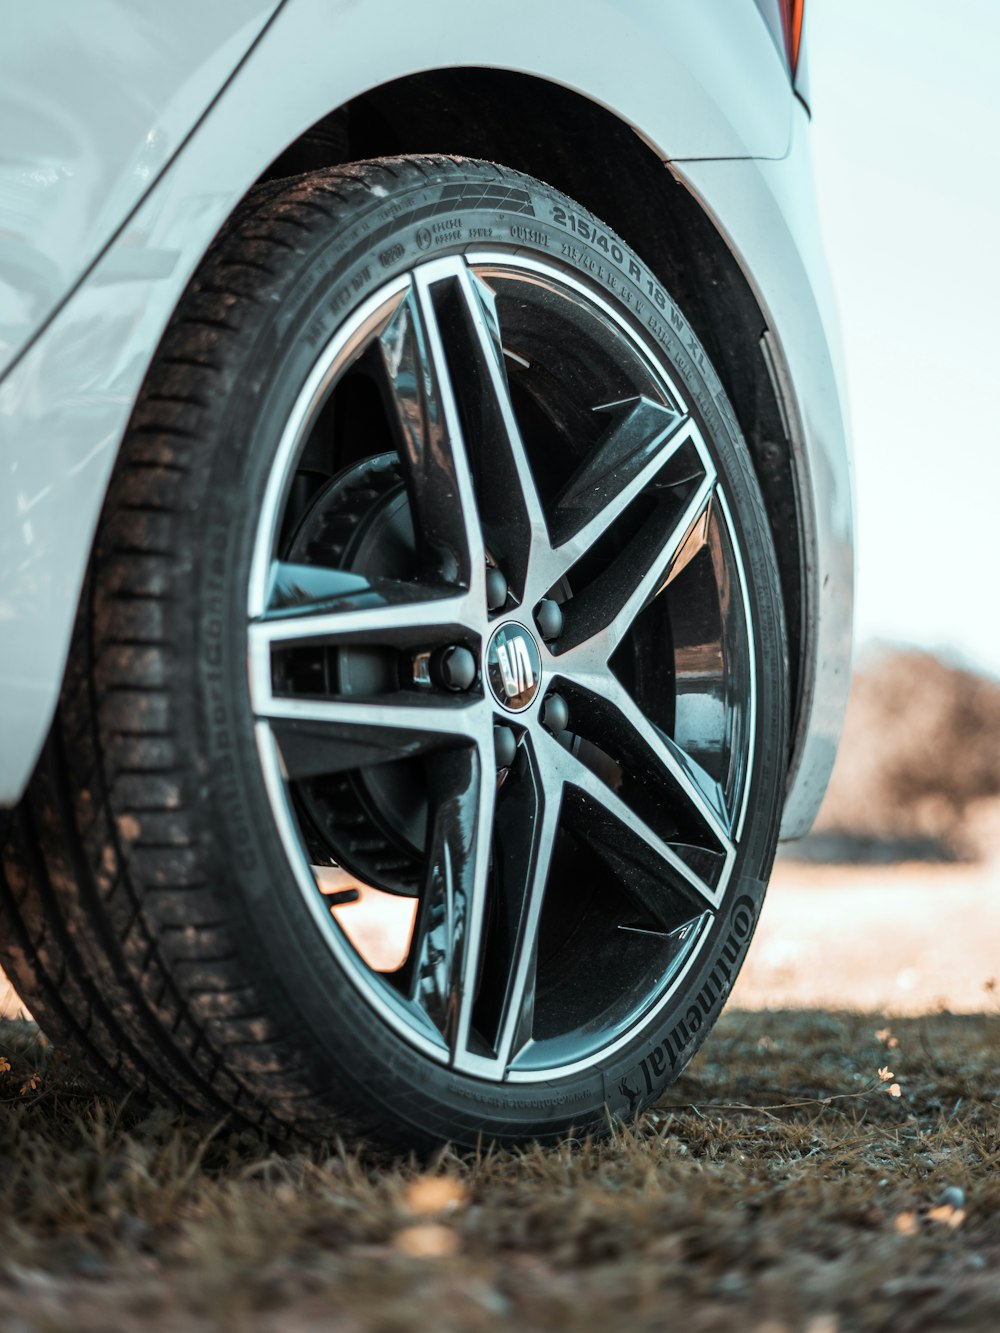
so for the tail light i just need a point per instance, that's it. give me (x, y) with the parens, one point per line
(791, 18)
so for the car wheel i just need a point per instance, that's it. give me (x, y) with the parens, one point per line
(420, 759)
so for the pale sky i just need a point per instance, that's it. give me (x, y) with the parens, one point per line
(906, 140)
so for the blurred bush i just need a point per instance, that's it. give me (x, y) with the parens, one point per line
(918, 772)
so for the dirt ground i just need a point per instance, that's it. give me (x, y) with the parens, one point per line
(900, 939)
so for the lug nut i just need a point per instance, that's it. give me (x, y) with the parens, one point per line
(549, 618)
(453, 668)
(555, 713)
(496, 588)
(505, 744)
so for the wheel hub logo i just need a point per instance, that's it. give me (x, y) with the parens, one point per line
(513, 666)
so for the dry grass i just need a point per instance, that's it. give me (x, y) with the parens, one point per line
(801, 1213)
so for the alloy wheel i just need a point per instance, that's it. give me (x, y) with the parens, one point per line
(501, 663)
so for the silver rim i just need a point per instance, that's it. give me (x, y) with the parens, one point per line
(623, 570)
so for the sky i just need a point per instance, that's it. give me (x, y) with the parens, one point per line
(906, 142)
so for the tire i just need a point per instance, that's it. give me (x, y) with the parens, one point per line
(374, 415)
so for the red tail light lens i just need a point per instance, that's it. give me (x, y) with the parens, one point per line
(791, 15)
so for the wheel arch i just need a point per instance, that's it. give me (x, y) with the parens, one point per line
(566, 139)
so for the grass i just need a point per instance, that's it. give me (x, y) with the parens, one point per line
(746, 1201)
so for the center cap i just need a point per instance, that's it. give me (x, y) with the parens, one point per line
(514, 667)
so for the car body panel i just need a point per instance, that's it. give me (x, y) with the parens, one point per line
(86, 126)
(767, 211)
(95, 100)
(65, 405)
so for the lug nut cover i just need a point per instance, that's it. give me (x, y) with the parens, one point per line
(555, 713)
(505, 744)
(454, 668)
(496, 588)
(549, 618)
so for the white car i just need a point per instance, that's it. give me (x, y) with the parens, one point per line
(425, 545)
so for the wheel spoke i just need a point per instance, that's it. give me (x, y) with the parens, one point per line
(681, 538)
(605, 609)
(326, 732)
(511, 512)
(704, 794)
(308, 604)
(636, 448)
(696, 800)
(610, 818)
(526, 822)
(428, 429)
(449, 930)
(638, 429)
(319, 736)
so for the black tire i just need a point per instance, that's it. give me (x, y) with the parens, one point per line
(148, 914)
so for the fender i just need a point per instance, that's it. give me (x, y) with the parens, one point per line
(692, 87)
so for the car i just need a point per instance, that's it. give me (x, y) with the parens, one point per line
(426, 556)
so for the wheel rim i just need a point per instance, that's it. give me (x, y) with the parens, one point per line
(562, 826)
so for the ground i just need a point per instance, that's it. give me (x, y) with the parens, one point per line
(902, 939)
(780, 1186)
